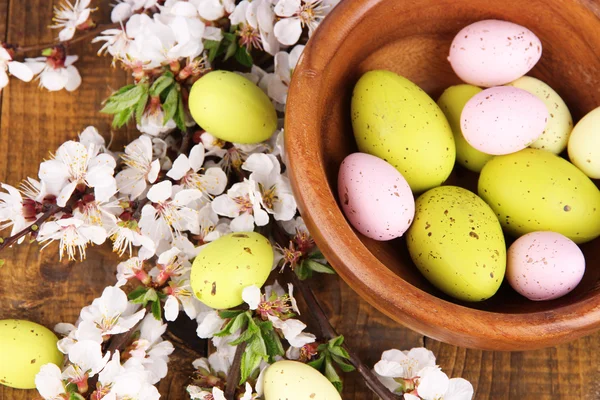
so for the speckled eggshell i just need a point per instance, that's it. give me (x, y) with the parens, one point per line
(375, 197)
(584, 144)
(492, 52)
(503, 120)
(560, 124)
(544, 265)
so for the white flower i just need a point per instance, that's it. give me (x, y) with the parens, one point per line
(212, 10)
(211, 227)
(278, 85)
(53, 75)
(12, 211)
(86, 361)
(125, 8)
(181, 293)
(275, 189)
(404, 364)
(209, 322)
(132, 383)
(150, 350)
(69, 16)
(20, 70)
(109, 374)
(433, 384)
(141, 168)
(295, 15)
(243, 204)
(256, 20)
(75, 165)
(185, 170)
(213, 145)
(111, 313)
(252, 296)
(221, 360)
(198, 394)
(126, 234)
(49, 384)
(116, 43)
(295, 226)
(128, 269)
(152, 122)
(74, 236)
(90, 136)
(97, 213)
(292, 331)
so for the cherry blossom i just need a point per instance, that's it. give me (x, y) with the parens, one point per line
(55, 75)
(73, 234)
(49, 384)
(140, 170)
(295, 15)
(125, 8)
(18, 69)
(127, 234)
(86, 361)
(76, 166)
(212, 10)
(132, 383)
(13, 212)
(278, 85)
(152, 122)
(292, 330)
(255, 20)
(433, 384)
(116, 43)
(243, 204)
(68, 17)
(209, 322)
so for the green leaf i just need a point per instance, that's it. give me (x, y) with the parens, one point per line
(243, 57)
(318, 267)
(244, 337)
(47, 52)
(273, 344)
(226, 314)
(340, 352)
(225, 331)
(161, 84)
(250, 362)
(336, 342)
(332, 375)
(122, 101)
(231, 49)
(234, 324)
(123, 90)
(180, 115)
(150, 296)
(122, 117)
(76, 396)
(344, 366)
(303, 271)
(318, 363)
(137, 295)
(171, 103)
(140, 107)
(213, 48)
(157, 310)
(316, 255)
(71, 387)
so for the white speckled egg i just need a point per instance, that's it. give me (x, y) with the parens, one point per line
(375, 197)
(492, 52)
(560, 124)
(544, 265)
(503, 120)
(584, 144)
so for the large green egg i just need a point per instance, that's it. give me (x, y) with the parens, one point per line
(24, 347)
(535, 190)
(228, 265)
(452, 102)
(457, 243)
(232, 108)
(397, 121)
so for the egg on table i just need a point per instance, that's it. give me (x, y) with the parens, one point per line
(560, 123)
(457, 243)
(24, 347)
(395, 120)
(452, 102)
(503, 120)
(584, 144)
(232, 108)
(375, 197)
(535, 190)
(493, 52)
(228, 265)
(544, 265)
(293, 380)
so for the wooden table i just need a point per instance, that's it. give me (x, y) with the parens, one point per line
(34, 285)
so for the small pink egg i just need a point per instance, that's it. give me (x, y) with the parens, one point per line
(503, 120)
(492, 52)
(544, 265)
(375, 197)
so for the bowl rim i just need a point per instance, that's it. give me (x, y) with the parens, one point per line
(398, 299)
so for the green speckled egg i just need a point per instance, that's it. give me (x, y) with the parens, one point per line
(24, 347)
(293, 380)
(452, 102)
(232, 108)
(457, 243)
(584, 144)
(535, 190)
(229, 264)
(397, 121)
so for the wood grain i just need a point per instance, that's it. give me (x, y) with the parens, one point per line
(34, 285)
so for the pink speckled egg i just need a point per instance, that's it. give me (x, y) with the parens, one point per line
(544, 265)
(375, 197)
(503, 120)
(492, 52)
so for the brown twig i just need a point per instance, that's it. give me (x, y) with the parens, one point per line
(140, 205)
(186, 141)
(233, 378)
(9, 241)
(85, 35)
(328, 332)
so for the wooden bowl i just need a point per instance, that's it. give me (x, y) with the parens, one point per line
(412, 38)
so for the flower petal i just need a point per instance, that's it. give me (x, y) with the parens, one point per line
(197, 157)
(180, 167)
(288, 31)
(20, 70)
(433, 384)
(171, 308)
(160, 192)
(251, 295)
(73, 79)
(459, 389)
(287, 8)
(48, 382)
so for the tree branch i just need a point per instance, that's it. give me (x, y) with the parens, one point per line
(83, 36)
(233, 377)
(9, 241)
(328, 332)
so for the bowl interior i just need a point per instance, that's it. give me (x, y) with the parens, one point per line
(413, 39)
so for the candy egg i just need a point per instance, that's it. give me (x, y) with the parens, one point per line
(24, 347)
(452, 102)
(492, 52)
(293, 380)
(229, 264)
(556, 135)
(544, 265)
(503, 120)
(584, 144)
(232, 108)
(375, 197)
